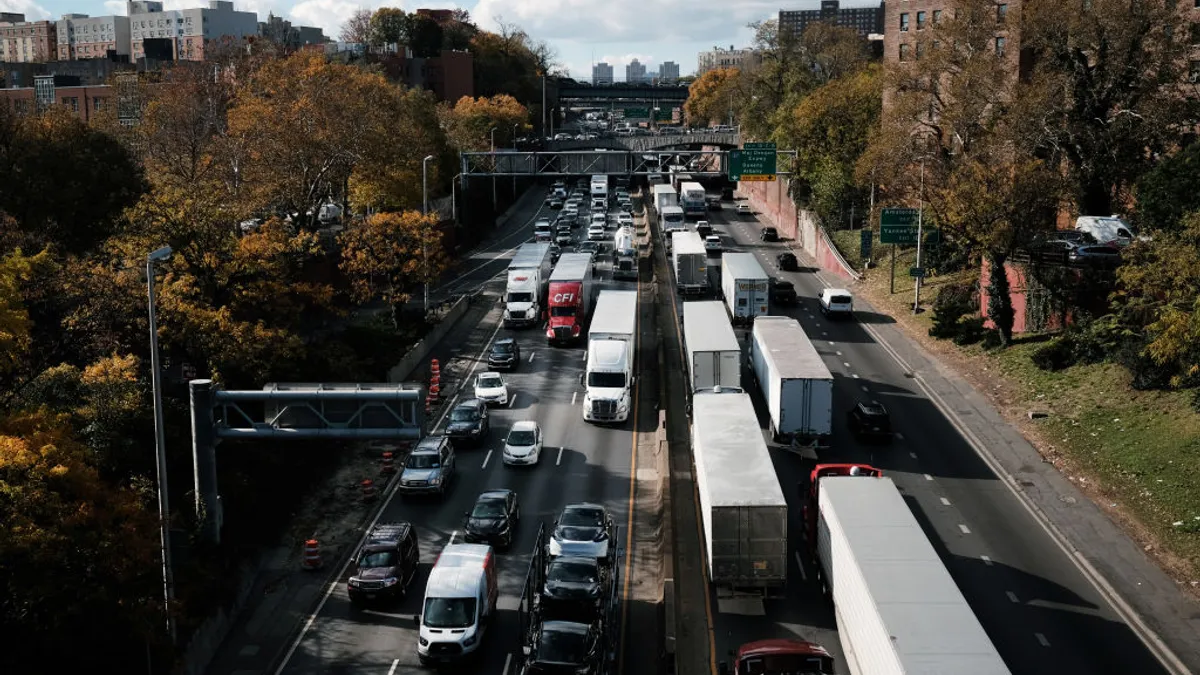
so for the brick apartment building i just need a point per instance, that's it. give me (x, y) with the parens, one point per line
(908, 24)
(24, 41)
(85, 101)
(864, 20)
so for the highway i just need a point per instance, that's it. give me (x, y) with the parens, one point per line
(580, 462)
(1039, 610)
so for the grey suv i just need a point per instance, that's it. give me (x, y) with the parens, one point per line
(430, 467)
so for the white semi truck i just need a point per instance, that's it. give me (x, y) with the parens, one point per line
(528, 277)
(609, 376)
(745, 287)
(794, 381)
(714, 357)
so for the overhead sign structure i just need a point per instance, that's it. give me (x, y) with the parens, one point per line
(753, 162)
(898, 226)
(636, 113)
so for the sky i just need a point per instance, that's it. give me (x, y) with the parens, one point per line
(582, 32)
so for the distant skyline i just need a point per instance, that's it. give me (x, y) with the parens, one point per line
(615, 32)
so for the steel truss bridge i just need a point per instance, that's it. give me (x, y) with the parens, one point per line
(706, 163)
(634, 93)
(649, 143)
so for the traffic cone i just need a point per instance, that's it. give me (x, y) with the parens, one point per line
(388, 463)
(368, 490)
(435, 368)
(435, 391)
(312, 556)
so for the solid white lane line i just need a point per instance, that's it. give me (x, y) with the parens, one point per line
(470, 373)
(559, 460)
(392, 670)
(928, 477)
(964, 528)
(945, 502)
(986, 560)
(1012, 597)
(800, 564)
(507, 663)
(1042, 639)
(486, 457)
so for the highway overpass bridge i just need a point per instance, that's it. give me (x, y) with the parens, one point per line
(651, 143)
(667, 94)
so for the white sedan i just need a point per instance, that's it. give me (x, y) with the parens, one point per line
(523, 444)
(744, 209)
(624, 219)
(596, 232)
(491, 388)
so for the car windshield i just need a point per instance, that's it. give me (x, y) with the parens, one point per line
(449, 612)
(504, 348)
(792, 664)
(520, 297)
(423, 461)
(582, 518)
(464, 415)
(373, 559)
(607, 380)
(492, 508)
(490, 382)
(561, 647)
(568, 310)
(521, 437)
(840, 299)
(571, 572)
(783, 285)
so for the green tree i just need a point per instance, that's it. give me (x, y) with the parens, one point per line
(388, 256)
(388, 176)
(425, 37)
(1169, 191)
(390, 25)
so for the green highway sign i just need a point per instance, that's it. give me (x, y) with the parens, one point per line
(754, 162)
(865, 241)
(933, 236)
(898, 226)
(637, 113)
(916, 272)
(662, 114)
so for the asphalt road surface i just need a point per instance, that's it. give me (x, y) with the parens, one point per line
(580, 462)
(1040, 612)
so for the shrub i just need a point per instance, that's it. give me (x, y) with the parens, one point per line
(970, 331)
(1145, 373)
(953, 302)
(1057, 354)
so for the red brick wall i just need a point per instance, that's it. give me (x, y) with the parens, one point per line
(1018, 288)
(772, 203)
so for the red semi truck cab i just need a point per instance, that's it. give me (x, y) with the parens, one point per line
(811, 491)
(571, 298)
(778, 657)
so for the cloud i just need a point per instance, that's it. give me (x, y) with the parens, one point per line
(614, 61)
(259, 7)
(625, 21)
(330, 14)
(31, 10)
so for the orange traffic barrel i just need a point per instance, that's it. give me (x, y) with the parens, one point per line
(368, 490)
(388, 463)
(312, 555)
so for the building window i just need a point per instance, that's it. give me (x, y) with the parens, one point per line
(903, 53)
(1000, 42)
(904, 21)
(71, 102)
(920, 50)
(1194, 71)
(920, 20)
(1001, 13)
(97, 104)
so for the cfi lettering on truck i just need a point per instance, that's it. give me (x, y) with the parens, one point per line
(564, 297)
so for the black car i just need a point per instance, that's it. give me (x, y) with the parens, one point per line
(505, 354)
(588, 247)
(555, 254)
(469, 420)
(782, 292)
(769, 234)
(386, 563)
(787, 262)
(575, 588)
(494, 519)
(583, 529)
(870, 420)
(565, 647)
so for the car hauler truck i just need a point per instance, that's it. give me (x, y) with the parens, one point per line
(528, 276)
(714, 357)
(609, 374)
(898, 610)
(691, 198)
(690, 261)
(744, 285)
(794, 381)
(571, 297)
(741, 504)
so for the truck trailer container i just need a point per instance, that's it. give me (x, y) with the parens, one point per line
(571, 297)
(672, 219)
(609, 374)
(691, 198)
(525, 292)
(794, 381)
(599, 185)
(744, 286)
(690, 261)
(663, 195)
(898, 610)
(741, 504)
(714, 357)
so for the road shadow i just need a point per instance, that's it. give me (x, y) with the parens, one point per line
(872, 317)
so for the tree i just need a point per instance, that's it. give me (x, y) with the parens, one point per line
(425, 37)
(390, 25)
(76, 547)
(458, 32)
(510, 62)
(1169, 191)
(1109, 81)
(388, 177)
(14, 317)
(710, 97)
(357, 28)
(388, 255)
(469, 123)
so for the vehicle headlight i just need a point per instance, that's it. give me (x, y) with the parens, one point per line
(471, 640)
(624, 407)
(353, 582)
(390, 581)
(423, 642)
(435, 481)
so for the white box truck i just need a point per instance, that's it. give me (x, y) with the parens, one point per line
(609, 375)
(525, 292)
(744, 287)
(690, 261)
(691, 198)
(714, 357)
(663, 195)
(600, 186)
(898, 610)
(672, 220)
(794, 381)
(742, 507)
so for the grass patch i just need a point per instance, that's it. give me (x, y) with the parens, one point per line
(849, 244)
(1136, 452)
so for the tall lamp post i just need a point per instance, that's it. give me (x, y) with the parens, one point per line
(454, 197)
(160, 444)
(544, 105)
(424, 235)
(920, 212)
(514, 144)
(493, 133)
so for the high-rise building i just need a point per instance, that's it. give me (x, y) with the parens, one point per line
(668, 71)
(602, 73)
(184, 34)
(635, 72)
(282, 32)
(727, 58)
(908, 29)
(865, 20)
(83, 37)
(24, 41)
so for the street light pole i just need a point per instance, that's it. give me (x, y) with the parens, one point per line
(920, 211)
(454, 198)
(493, 132)
(160, 444)
(425, 235)
(544, 105)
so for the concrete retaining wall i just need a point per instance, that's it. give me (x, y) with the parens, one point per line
(404, 369)
(773, 203)
(208, 637)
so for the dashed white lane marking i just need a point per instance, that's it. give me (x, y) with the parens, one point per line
(800, 564)
(838, 353)
(559, 460)
(899, 436)
(863, 387)
(855, 376)
(913, 455)
(574, 394)
(945, 502)
(928, 477)
(986, 560)
(831, 343)
(531, 355)
(964, 528)
(392, 670)
(453, 536)
(511, 401)
(486, 457)
(845, 365)
(1042, 639)
(1012, 597)
(825, 333)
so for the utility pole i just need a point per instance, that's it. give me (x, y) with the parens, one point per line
(544, 106)
(920, 211)
(425, 235)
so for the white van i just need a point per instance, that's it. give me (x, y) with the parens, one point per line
(1106, 229)
(460, 604)
(836, 302)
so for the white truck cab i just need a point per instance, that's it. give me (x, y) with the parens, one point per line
(836, 302)
(460, 604)
(609, 377)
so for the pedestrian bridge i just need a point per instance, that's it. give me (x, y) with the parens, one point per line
(651, 143)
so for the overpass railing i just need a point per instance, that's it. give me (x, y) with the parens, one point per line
(702, 163)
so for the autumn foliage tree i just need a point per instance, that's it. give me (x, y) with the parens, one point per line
(469, 122)
(389, 255)
(710, 97)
